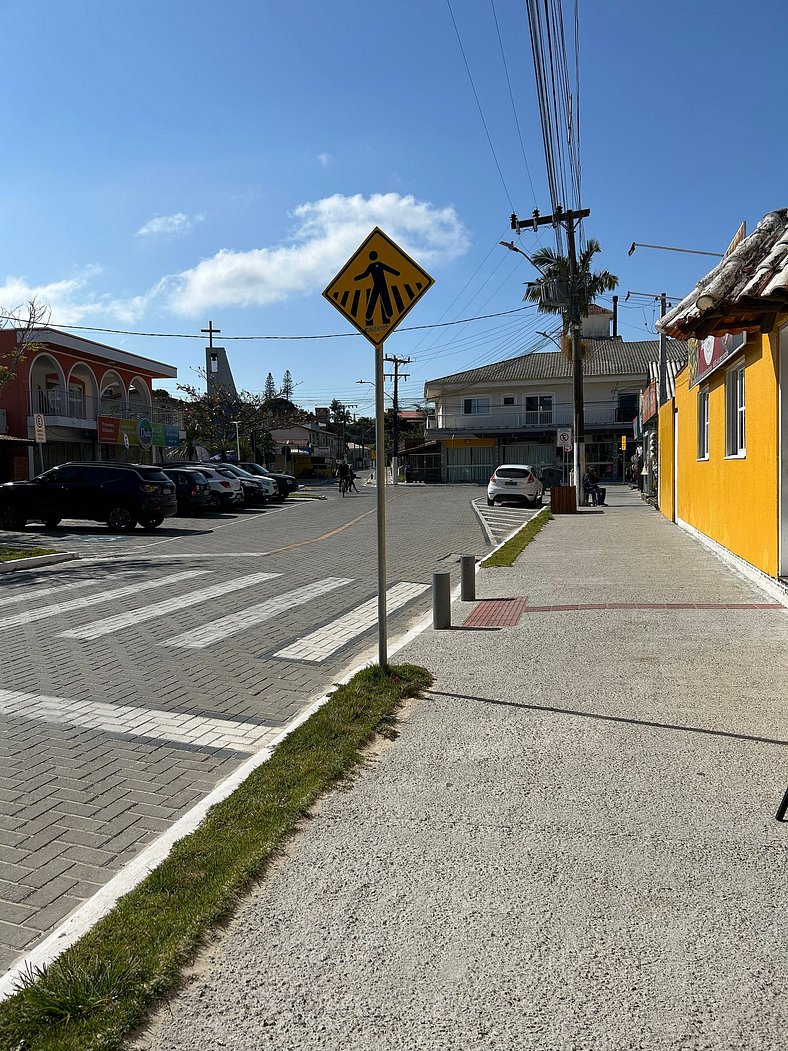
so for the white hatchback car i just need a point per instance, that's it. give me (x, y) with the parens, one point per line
(515, 481)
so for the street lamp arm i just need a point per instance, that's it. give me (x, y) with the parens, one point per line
(666, 248)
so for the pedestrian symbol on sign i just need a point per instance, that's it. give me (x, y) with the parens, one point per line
(380, 289)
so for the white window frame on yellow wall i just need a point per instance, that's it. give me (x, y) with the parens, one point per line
(703, 423)
(735, 413)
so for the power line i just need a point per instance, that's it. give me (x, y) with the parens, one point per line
(479, 105)
(330, 335)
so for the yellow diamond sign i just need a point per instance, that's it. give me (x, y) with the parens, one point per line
(377, 286)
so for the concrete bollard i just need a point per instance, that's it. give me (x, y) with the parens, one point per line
(467, 578)
(441, 601)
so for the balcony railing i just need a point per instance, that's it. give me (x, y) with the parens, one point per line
(561, 416)
(74, 405)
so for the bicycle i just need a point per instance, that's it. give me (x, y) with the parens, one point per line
(344, 485)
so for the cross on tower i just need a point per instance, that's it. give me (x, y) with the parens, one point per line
(211, 333)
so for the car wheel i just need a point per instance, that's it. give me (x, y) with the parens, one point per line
(121, 520)
(51, 523)
(152, 523)
(490, 502)
(11, 519)
(216, 502)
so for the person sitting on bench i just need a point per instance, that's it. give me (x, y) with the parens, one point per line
(592, 488)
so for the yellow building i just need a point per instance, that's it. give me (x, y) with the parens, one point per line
(723, 470)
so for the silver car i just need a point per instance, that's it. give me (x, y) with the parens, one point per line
(515, 481)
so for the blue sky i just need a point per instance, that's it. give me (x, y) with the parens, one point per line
(176, 161)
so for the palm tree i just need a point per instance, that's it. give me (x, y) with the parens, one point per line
(551, 291)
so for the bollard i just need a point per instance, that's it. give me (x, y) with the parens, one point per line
(467, 578)
(441, 601)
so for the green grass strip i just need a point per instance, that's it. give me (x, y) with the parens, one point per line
(103, 986)
(508, 553)
(11, 554)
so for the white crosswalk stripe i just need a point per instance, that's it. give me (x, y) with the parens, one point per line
(130, 721)
(30, 594)
(94, 600)
(199, 638)
(129, 619)
(320, 644)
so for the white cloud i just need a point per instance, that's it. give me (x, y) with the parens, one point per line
(65, 299)
(325, 159)
(178, 223)
(71, 300)
(327, 232)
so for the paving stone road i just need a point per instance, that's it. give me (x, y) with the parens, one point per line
(135, 679)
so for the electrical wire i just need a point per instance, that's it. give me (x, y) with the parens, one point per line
(511, 99)
(330, 335)
(479, 105)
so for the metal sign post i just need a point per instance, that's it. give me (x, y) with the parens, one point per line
(380, 495)
(374, 291)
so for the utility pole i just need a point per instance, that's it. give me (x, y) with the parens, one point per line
(569, 219)
(396, 376)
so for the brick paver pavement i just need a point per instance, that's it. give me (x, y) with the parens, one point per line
(79, 796)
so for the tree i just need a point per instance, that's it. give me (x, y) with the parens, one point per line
(287, 386)
(269, 391)
(26, 320)
(551, 292)
(209, 419)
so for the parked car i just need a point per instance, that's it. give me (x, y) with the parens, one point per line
(515, 481)
(119, 494)
(191, 489)
(286, 483)
(225, 489)
(256, 490)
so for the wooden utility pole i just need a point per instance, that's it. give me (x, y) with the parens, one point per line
(396, 376)
(569, 220)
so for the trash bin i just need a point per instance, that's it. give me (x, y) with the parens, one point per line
(563, 500)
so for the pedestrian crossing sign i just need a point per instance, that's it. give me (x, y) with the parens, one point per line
(377, 286)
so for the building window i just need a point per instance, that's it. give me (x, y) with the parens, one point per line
(538, 410)
(735, 412)
(476, 406)
(508, 399)
(627, 407)
(703, 423)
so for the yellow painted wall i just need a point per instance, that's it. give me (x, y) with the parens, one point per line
(665, 445)
(733, 501)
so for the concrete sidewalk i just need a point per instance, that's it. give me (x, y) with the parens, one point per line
(571, 844)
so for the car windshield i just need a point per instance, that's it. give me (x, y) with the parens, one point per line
(513, 472)
(152, 474)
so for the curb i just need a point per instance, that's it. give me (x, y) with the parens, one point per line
(37, 560)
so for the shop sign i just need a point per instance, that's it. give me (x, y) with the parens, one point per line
(705, 356)
(138, 434)
(649, 402)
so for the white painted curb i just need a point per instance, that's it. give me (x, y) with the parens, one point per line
(37, 560)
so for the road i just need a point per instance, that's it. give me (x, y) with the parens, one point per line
(135, 679)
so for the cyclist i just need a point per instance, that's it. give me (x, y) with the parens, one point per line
(344, 475)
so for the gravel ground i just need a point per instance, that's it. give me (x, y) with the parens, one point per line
(570, 845)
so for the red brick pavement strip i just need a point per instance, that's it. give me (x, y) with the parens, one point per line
(653, 605)
(496, 613)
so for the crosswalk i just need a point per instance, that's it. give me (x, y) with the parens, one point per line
(342, 623)
(501, 520)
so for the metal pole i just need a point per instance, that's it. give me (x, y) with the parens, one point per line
(237, 442)
(441, 601)
(663, 353)
(380, 494)
(467, 578)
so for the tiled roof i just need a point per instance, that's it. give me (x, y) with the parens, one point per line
(746, 287)
(606, 357)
